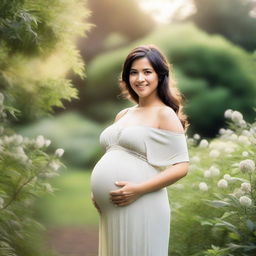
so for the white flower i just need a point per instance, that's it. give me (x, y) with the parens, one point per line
(214, 153)
(245, 154)
(233, 137)
(55, 166)
(7, 139)
(243, 139)
(227, 177)
(229, 132)
(196, 136)
(218, 145)
(40, 141)
(207, 174)
(242, 123)
(203, 186)
(229, 149)
(59, 152)
(228, 113)
(20, 150)
(1, 200)
(190, 141)
(246, 186)
(18, 138)
(222, 131)
(47, 143)
(203, 143)
(236, 116)
(247, 166)
(253, 130)
(246, 133)
(20, 154)
(214, 171)
(48, 187)
(245, 201)
(222, 183)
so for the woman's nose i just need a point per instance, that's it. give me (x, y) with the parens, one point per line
(141, 77)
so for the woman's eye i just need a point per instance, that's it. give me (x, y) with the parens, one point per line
(132, 72)
(148, 72)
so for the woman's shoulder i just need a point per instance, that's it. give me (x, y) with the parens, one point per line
(168, 120)
(121, 113)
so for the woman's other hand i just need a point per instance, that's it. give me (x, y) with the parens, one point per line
(95, 204)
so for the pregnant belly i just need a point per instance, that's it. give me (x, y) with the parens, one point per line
(117, 165)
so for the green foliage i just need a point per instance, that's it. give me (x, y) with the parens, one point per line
(212, 74)
(238, 25)
(71, 132)
(37, 50)
(36, 27)
(25, 168)
(214, 210)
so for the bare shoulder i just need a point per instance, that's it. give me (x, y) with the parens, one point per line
(168, 120)
(121, 113)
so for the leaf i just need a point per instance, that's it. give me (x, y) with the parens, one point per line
(227, 214)
(205, 223)
(217, 203)
(233, 246)
(227, 225)
(234, 236)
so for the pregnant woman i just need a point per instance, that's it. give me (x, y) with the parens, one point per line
(146, 151)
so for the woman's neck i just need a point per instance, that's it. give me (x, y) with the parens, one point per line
(150, 103)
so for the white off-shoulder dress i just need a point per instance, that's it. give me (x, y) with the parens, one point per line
(135, 154)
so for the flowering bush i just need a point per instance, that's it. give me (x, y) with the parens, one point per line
(219, 217)
(25, 168)
(237, 194)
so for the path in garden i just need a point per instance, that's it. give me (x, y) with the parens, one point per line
(74, 241)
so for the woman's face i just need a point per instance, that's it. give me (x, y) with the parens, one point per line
(143, 78)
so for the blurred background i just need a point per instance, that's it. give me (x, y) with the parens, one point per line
(60, 64)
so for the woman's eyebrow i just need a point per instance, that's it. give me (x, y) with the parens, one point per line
(134, 69)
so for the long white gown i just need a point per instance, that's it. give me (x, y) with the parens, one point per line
(136, 154)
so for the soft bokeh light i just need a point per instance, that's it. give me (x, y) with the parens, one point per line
(165, 10)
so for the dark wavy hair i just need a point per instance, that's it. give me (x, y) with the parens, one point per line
(166, 89)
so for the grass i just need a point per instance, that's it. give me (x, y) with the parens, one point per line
(70, 205)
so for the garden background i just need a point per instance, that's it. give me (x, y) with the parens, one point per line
(59, 67)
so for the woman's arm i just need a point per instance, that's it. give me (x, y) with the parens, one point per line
(129, 192)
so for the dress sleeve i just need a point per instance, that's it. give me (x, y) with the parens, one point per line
(165, 148)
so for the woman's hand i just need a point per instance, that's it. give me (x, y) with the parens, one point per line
(95, 204)
(128, 193)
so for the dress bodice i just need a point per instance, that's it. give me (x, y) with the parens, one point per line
(159, 147)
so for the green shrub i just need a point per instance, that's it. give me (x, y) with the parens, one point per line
(25, 169)
(77, 135)
(37, 50)
(209, 217)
